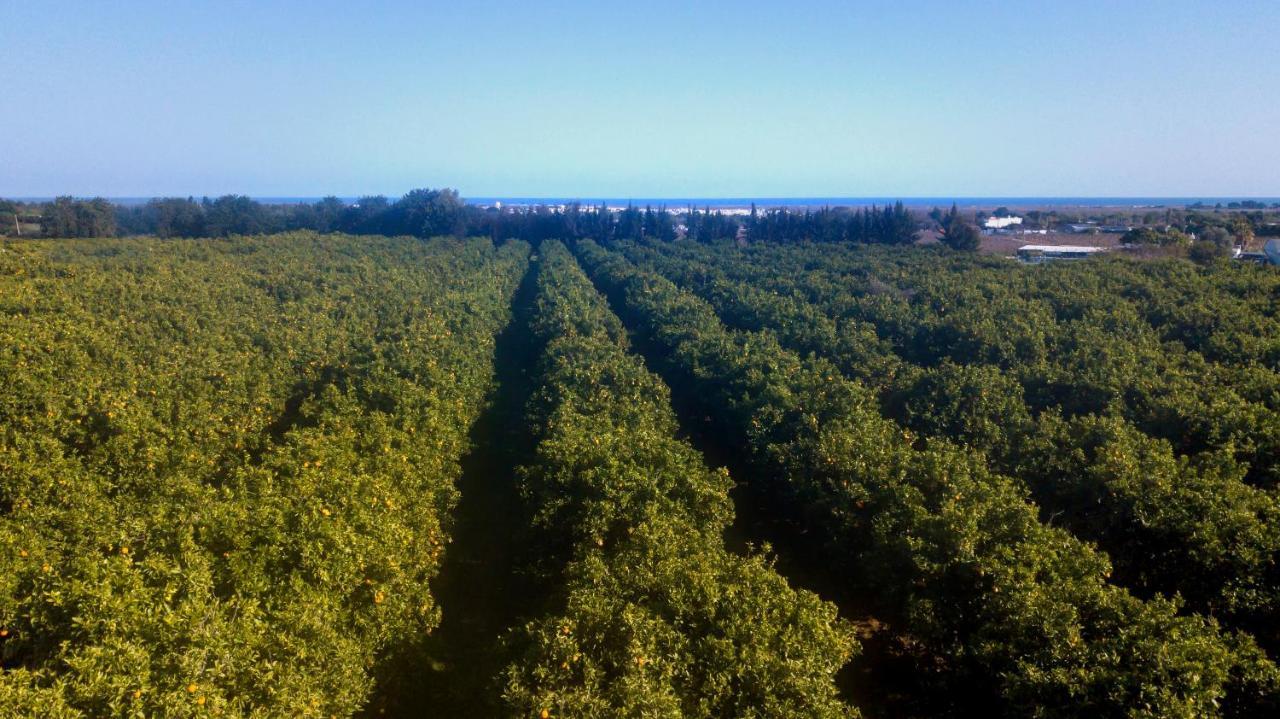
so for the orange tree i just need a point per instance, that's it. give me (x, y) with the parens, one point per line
(649, 613)
(1191, 525)
(227, 465)
(1190, 355)
(1012, 613)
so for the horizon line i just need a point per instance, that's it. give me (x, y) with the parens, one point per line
(667, 198)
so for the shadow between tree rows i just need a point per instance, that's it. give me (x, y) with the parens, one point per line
(887, 679)
(482, 588)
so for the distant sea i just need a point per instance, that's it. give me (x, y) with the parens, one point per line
(811, 202)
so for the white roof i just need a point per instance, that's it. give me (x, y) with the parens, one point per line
(1060, 248)
(1001, 222)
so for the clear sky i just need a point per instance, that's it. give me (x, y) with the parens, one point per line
(642, 99)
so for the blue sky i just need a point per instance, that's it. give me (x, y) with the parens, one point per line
(654, 99)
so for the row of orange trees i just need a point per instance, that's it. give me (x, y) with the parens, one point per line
(227, 470)
(1005, 613)
(1190, 355)
(1192, 524)
(227, 465)
(647, 613)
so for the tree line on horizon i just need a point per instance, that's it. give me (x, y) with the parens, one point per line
(1207, 232)
(431, 213)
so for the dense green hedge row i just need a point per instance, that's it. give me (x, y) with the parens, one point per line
(227, 465)
(650, 615)
(1172, 524)
(1188, 355)
(1008, 612)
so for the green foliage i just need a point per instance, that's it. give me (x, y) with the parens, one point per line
(650, 615)
(1176, 524)
(959, 234)
(228, 466)
(233, 215)
(951, 554)
(69, 217)
(1153, 236)
(976, 404)
(1205, 252)
(425, 213)
(1058, 348)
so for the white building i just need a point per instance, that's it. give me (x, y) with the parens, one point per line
(1000, 223)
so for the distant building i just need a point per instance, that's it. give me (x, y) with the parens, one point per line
(1270, 254)
(1082, 228)
(1000, 223)
(1037, 254)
